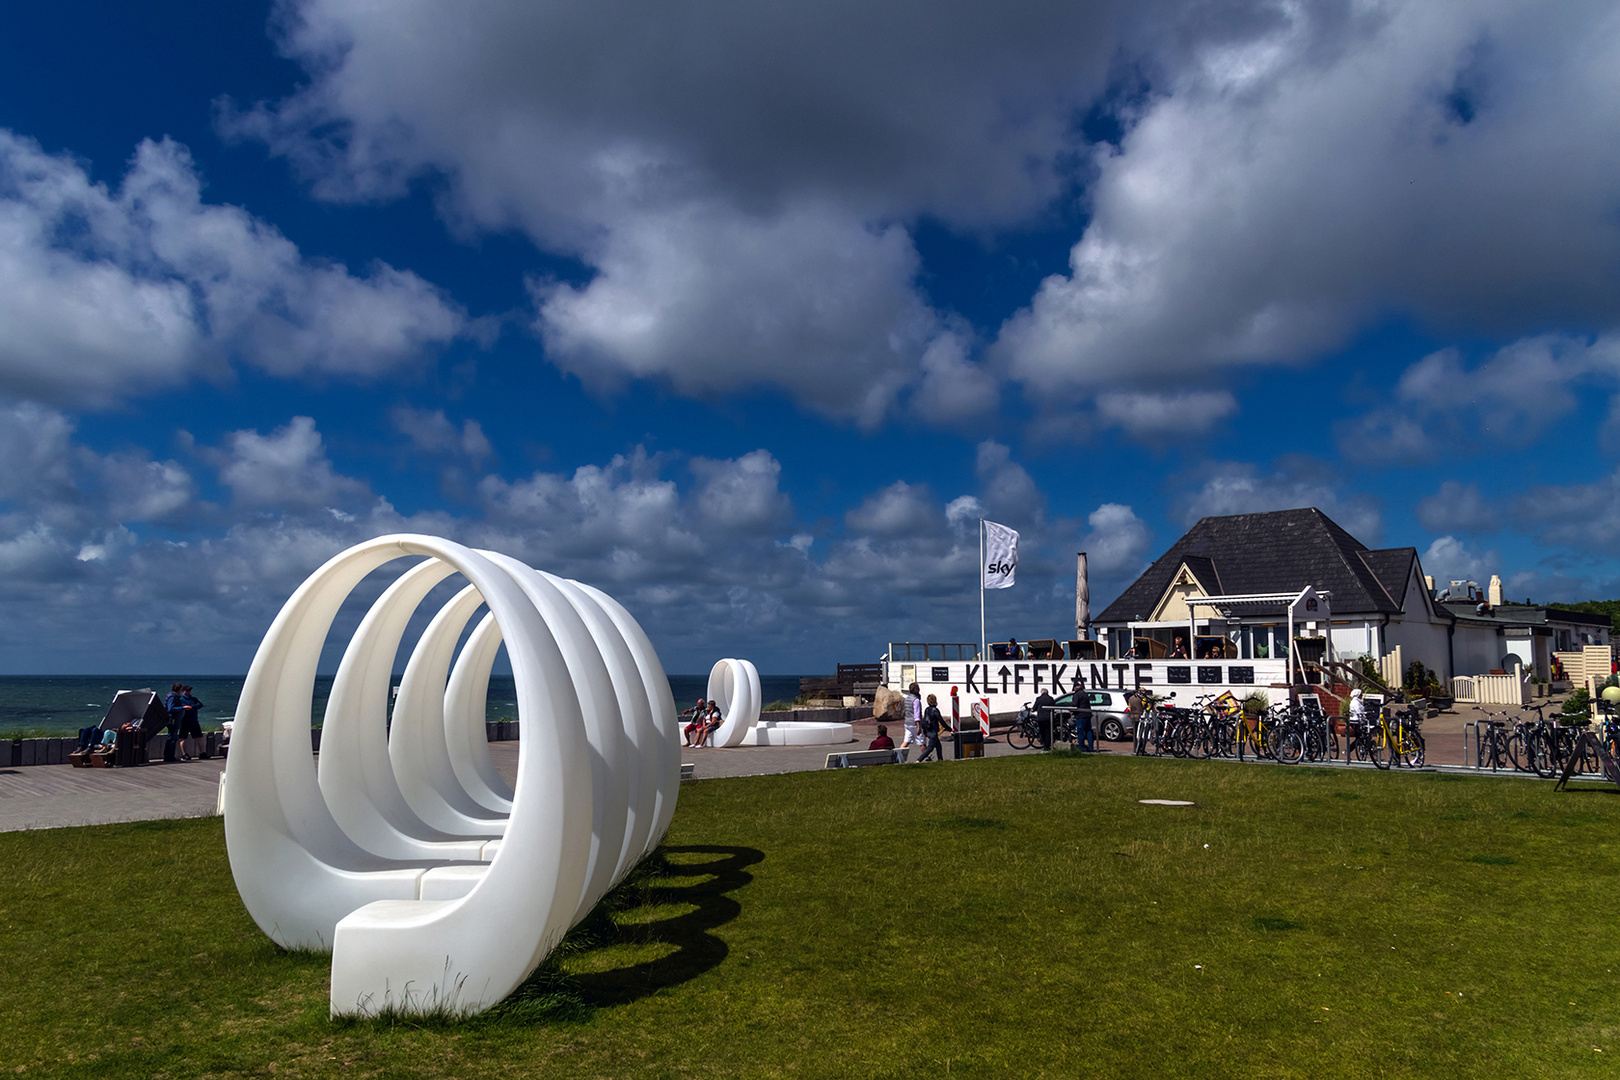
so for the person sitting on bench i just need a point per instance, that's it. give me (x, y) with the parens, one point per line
(698, 713)
(882, 742)
(711, 724)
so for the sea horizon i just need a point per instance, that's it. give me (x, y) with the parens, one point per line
(62, 704)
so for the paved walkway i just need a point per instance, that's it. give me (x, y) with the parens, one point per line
(52, 796)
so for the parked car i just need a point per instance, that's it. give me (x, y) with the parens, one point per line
(1111, 717)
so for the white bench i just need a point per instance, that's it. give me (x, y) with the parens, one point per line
(855, 758)
(687, 769)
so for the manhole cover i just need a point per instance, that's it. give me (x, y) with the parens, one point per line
(1165, 802)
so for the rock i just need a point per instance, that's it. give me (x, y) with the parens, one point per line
(886, 704)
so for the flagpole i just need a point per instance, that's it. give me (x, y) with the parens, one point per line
(983, 650)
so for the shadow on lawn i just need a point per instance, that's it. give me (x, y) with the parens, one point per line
(1591, 789)
(689, 947)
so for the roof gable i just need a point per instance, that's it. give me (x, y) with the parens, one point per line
(1195, 577)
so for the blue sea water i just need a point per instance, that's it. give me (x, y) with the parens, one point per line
(62, 704)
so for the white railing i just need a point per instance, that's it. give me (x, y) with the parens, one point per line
(1510, 689)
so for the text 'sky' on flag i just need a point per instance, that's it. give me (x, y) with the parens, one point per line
(1000, 556)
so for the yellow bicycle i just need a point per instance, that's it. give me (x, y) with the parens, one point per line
(1397, 740)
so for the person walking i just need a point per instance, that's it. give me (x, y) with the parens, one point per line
(911, 715)
(929, 724)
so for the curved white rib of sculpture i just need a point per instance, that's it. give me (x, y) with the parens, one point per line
(419, 744)
(464, 719)
(734, 686)
(377, 853)
(355, 771)
(660, 756)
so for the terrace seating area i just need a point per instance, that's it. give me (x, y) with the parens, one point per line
(852, 680)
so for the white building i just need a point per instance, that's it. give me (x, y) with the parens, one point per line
(1378, 599)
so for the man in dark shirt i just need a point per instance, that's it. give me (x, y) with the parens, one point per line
(1085, 735)
(1043, 718)
(930, 724)
(175, 705)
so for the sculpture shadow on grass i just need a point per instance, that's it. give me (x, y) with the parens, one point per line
(686, 942)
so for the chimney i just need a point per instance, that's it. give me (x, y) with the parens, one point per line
(1496, 590)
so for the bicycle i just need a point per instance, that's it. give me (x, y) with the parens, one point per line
(1534, 745)
(1304, 734)
(1219, 720)
(1152, 725)
(1399, 740)
(1361, 737)
(1025, 732)
(1491, 747)
(1260, 736)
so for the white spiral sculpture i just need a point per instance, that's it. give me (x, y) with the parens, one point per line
(437, 887)
(734, 686)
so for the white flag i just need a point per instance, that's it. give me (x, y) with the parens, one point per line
(1000, 555)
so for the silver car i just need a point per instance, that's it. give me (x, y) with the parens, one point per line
(1111, 717)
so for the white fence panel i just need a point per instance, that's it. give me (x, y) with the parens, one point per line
(1510, 689)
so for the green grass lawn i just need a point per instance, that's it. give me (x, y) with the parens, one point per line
(1003, 918)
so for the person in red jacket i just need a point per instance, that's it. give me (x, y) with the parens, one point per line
(882, 742)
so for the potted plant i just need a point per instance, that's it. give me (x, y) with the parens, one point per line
(1256, 703)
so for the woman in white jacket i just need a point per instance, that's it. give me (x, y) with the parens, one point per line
(911, 714)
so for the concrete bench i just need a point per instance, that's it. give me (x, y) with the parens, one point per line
(856, 758)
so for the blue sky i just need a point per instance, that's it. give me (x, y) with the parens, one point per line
(747, 315)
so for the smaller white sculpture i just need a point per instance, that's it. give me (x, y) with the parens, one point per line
(734, 686)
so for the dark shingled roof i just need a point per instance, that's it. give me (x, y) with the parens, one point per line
(1279, 551)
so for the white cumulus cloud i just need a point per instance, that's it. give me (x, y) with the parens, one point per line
(1296, 482)
(288, 467)
(1322, 166)
(109, 293)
